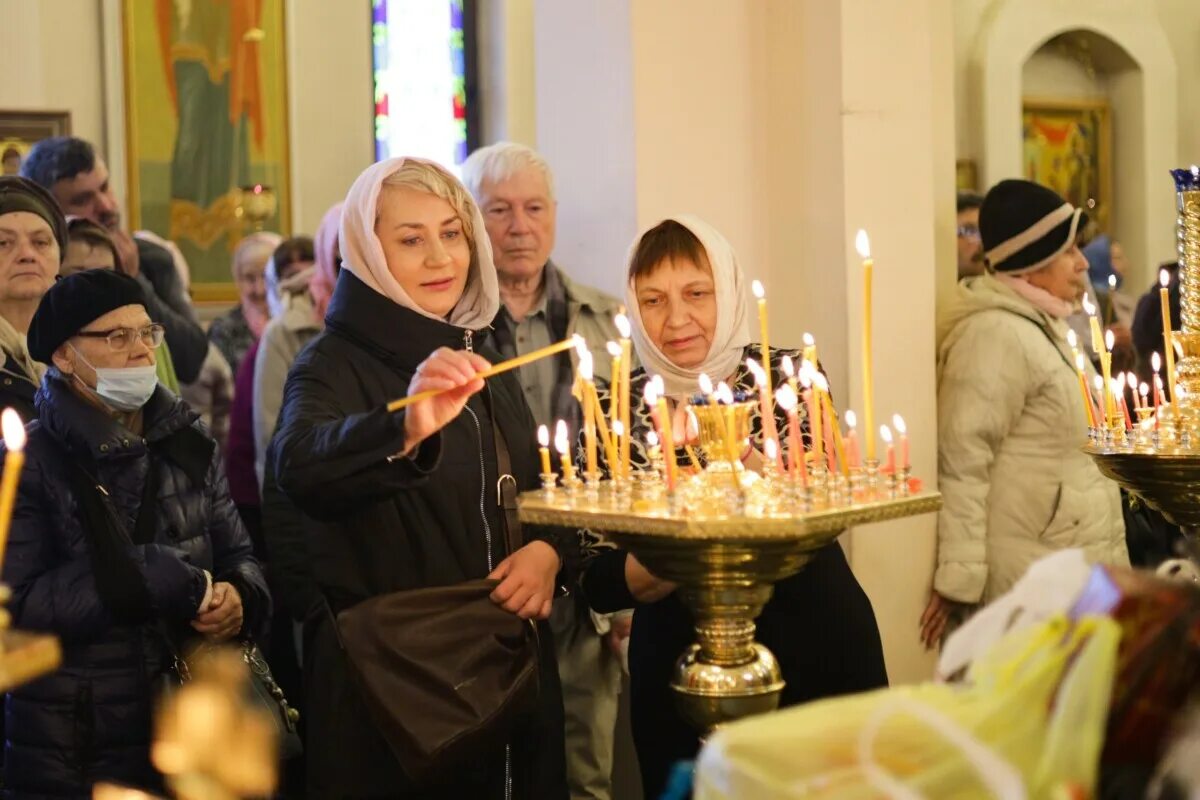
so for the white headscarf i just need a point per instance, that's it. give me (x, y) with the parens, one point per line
(362, 253)
(732, 333)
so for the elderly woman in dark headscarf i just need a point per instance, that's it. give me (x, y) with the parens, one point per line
(409, 500)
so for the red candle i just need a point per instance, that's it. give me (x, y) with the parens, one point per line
(765, 408)
(1158, 397)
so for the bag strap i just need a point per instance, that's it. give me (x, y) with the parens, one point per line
(506, 484)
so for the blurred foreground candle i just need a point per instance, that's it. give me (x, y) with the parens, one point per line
(863, 244)
(889, 466)
(544, 448)
(14, 460)
(563, 445)
(902, 429)
(623, 327)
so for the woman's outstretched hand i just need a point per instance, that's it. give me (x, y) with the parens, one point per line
(454, 370)
(527, 581)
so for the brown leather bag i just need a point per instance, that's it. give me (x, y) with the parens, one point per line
(445, 672)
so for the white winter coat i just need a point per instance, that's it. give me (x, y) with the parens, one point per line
(1011, 425)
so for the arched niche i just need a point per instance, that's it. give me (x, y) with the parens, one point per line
(1013, 31)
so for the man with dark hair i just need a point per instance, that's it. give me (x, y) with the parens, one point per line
(970, 247)
(70, 169)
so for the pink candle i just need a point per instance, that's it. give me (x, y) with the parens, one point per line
(785, 396)
(852, 440)
(889, 466)
(902, 429)
(765, 408)
(1158, 397)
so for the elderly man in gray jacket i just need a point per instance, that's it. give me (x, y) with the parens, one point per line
(542, 305)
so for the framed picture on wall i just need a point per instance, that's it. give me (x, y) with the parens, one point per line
(19, 130)
(1067, 145)
(207, 128)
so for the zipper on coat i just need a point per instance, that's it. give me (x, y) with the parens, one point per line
(469, 340)
(487, 528)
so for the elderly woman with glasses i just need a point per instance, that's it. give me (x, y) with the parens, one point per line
(124, 543)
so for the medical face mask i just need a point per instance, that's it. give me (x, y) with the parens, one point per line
(123, 388)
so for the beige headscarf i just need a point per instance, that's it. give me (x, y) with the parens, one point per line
(732, 333)
(362, 253)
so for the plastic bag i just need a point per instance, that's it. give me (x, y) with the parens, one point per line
(1029, 719)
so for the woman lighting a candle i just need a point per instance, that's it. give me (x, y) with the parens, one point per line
(686, 298)
(408, 500)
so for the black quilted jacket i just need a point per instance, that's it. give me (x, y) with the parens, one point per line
(91, 719)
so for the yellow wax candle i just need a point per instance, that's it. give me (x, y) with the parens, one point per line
(761, 294)
(543, 435)
(610, 450)
(1097, 334)
(624, 328)
(1083, 390)
(586, 374)
(504, 366)
(1164, 280)
(14, 461)
(562, 445)
(810, 350)
(614, 391)
(1110, 410)
(808, 375)
(863, 244)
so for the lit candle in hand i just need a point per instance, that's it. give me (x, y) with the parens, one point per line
(889, 466)
(863, 244)
(544, 448)
(14, 461)
(562, 445)
(902, 429)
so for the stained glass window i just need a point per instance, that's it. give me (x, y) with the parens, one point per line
(422, 60)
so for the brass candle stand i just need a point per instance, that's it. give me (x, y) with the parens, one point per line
(725, 535)
(1160, 462)
(255, 204)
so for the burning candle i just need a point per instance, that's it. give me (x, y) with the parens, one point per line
(852, 439)
(1110, 408)
(614, 412)
(812, 402)
(834, 449)
(1087, 398)
(652, 450)
(625, 330)
(902, 429)
(1118, 391)
(543, 436)
(1158, 398)
(787, 399)
(770, 451)
(761, 294)
(863, 244)
(585, 371)
(14, 460)
(1097, 334)
(562, 445)
(889, 466)
(1144, 391)
(810, 349)
(1112, 287)
(1164, 280)
(662, 418)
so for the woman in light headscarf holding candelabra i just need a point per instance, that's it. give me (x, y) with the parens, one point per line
(408, 500)
(686, 296)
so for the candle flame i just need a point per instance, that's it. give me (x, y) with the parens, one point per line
(660, 385)
(786, 398)
(587, 369)
(1079, 361)
(623, 326)
(862, 243)
(1120, 381)
(851, 419)
(1109, 340)
(1088, 306)
(724, 393)
(1144, 390)
(819, 381)
(1164, 278)
(885, 433)
(581, 346)
(543, 436)
(770, 449)
(1155, 361)
(760, 376)
(1112, 281)
(652, 439)
(560, 438)
(693, 424)
(758, 289)
(1158, 384)
(1072, 339)
(614, 349)
(13, 429)
(809, 341)
(898, 424)
(1098, 382)
(788, 367)
(1178, 347)
(706, 384)
(618, 428)
(651, 394)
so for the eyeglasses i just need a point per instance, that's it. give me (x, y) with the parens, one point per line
(120, 339)
(968, 231)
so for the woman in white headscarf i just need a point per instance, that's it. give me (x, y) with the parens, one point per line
(686, 296)
(408, 500)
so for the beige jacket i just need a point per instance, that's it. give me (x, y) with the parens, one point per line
(1011, 425)
(590, 313)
